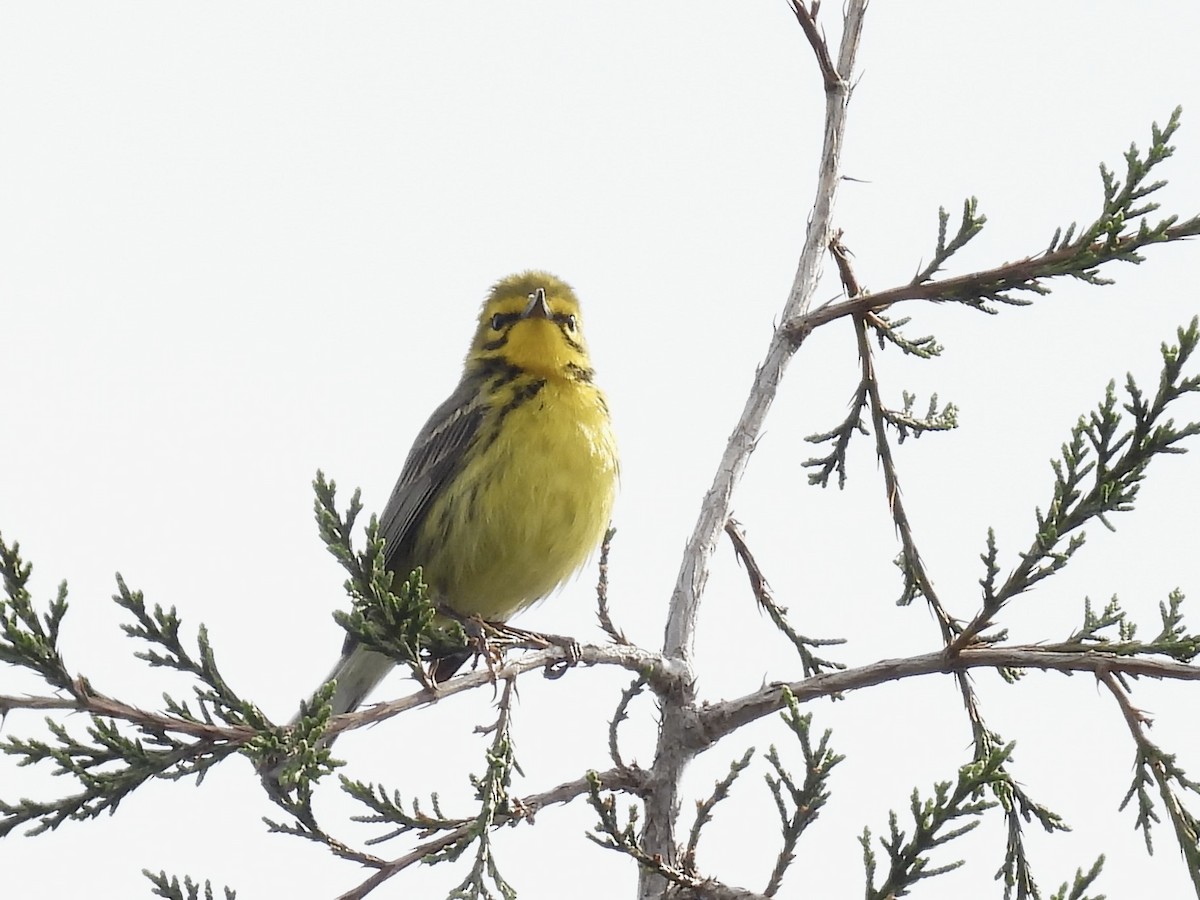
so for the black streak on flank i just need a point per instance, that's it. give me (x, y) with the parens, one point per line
(580, 373)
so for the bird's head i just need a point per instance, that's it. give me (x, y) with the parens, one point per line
(532, 321)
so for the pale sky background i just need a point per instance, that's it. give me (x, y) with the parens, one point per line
(239, 242)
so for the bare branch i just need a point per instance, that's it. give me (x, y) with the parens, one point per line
(662, 809)
(716, 720)
(808, 21)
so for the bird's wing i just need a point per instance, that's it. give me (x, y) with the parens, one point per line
(435, 457)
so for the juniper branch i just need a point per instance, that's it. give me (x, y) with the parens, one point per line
(1118, 234)
(933, 826)
(169, 888)
(806, 799)
(1099, 473)
(1155, 767)
(25, 639)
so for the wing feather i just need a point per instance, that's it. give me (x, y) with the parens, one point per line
(434, 459)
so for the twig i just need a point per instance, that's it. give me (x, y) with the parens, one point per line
(1004, 277)
(602, 611)
(808, 21)
(758, 581)
(914, 567)
(1163, 770)
(812, 663)
(705, 807)
(663, 676)
(620, 715)
(563, 793)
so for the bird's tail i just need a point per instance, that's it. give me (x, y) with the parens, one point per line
(358, 672)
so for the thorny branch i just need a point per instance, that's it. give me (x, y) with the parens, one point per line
(917, 580)
(602, 610)
(812, 663)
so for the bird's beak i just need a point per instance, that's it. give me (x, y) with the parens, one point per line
(537, 307)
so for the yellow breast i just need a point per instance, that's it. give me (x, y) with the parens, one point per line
(529, 508)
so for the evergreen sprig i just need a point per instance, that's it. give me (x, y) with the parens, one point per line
(1019, 808)
(1105, 237)
(933, 826)
(25, 639)
(396, 620)
(390, 808)
(705, 807)
(295, 757)
(1075, 890)
(1156, 771)
(887, 331)
(1173, 639)
(969, 226)
(907, 423)
(1099, 473)
(109, 767)
(110, 763)
(495, 808)
(866, 395)
(614, 832)
(216, 700)
(839, 437)
(798, 804)
(1117, 234)
(297, 801)
(169, 888)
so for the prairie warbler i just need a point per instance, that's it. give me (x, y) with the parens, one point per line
(508, 488)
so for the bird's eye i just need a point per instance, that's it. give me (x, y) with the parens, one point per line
(497, 321)
(571, 324)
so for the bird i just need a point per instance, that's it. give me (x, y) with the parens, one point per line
(509, 487)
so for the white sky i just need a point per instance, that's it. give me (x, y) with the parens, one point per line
(239, 242)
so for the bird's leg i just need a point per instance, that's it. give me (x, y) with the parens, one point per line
(489, 640)
(537, 640)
